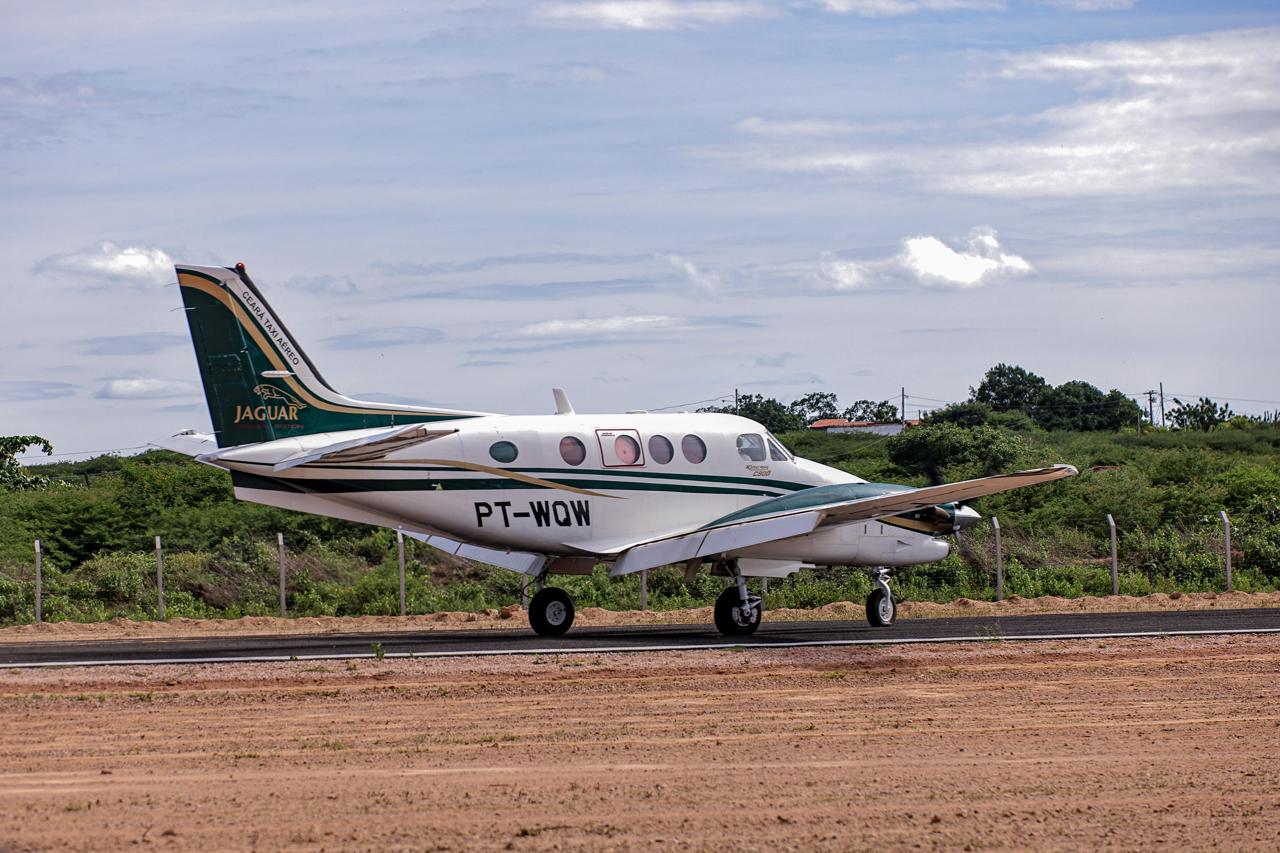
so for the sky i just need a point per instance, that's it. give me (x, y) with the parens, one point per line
(649, 203)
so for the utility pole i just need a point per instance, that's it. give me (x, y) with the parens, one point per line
(903, 410)
(1161, 405)
(736, 410)
(1151, 406)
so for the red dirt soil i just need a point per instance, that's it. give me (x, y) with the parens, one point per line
(1122, 744)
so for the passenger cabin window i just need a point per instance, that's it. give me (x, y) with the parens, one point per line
(620, 448)
(503, 451)
(777, 452)
(660, 449)
(572, 450)
(694, 449)
(751, 447)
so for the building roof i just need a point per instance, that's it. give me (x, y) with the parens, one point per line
(829, 423)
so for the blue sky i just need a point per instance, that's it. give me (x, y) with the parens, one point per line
(647, 202)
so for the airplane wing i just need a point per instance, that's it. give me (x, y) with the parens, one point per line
(365, 449)
(803, 512)
(517, 561)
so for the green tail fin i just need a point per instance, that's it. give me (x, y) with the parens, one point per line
(258, 382)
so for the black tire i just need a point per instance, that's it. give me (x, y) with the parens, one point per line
(730, 619)
(551, 612)
(881, 609)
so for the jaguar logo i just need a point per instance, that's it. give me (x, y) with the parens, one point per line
(277, 405)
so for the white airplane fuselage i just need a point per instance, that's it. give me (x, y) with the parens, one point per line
(465, 485)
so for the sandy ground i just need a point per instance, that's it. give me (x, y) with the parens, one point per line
(1119, 744)
(514, 617)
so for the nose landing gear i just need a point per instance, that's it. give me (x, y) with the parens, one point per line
(737, 611)
(881, 608)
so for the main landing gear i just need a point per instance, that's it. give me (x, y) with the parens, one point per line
(550, 611)
(737, 611)
(881, 608)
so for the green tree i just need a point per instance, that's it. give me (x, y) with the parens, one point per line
(815, 406)
(929, 448)
(969, 414)
(12, 473)
(1203, 415)
(871, 410)
(766, 411)
(1007, 387)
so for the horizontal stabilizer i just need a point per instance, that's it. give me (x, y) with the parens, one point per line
(367, 448)
(188, 443)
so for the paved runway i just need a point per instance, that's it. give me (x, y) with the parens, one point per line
(637, 638)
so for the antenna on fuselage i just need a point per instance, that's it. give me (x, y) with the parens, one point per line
(563, 406)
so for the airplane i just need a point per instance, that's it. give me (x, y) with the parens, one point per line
(548, 495)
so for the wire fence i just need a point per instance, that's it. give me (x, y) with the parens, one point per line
(966, 542)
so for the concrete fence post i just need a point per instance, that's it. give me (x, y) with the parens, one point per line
(995, 523)
(644, 589)
(1115, 563)
(280, 550)
(400, 552)
(159, 580)
(1226, 545)
(39, 583)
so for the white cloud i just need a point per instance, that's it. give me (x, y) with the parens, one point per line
(647, 14)
(699, 278)
(926, 260)
(843, 275)
(144, 389)
(887, 8)
(600, 325)
(934, 263)
(110, 262)
(1187, 113)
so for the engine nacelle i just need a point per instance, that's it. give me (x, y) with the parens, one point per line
(860, 543)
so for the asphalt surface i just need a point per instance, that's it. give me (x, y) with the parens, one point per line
(634, 638)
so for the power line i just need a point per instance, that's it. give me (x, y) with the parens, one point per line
(85, 452)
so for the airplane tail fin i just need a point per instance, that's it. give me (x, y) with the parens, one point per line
(258, 382)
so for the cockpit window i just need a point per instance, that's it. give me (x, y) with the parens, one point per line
(751, 447)
(777, 452)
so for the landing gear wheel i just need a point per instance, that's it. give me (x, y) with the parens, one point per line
(732, 618)
(550, 612)
(881, 608)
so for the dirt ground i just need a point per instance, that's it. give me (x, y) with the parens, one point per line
(514, 617)
(1118, 744)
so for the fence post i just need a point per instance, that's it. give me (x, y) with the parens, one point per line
(995, 523)
(1115, 563)
(39, 583)
(764, 592)
(644, 589)
(159, 581)
(280, 549)
(1226, 545)
(400, 549)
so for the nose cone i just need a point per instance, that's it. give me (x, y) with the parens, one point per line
(966, 517)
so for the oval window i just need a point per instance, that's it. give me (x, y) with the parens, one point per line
(627, 449)
(572, 450)
(693, 448)
(503, 451)
(660, 449)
